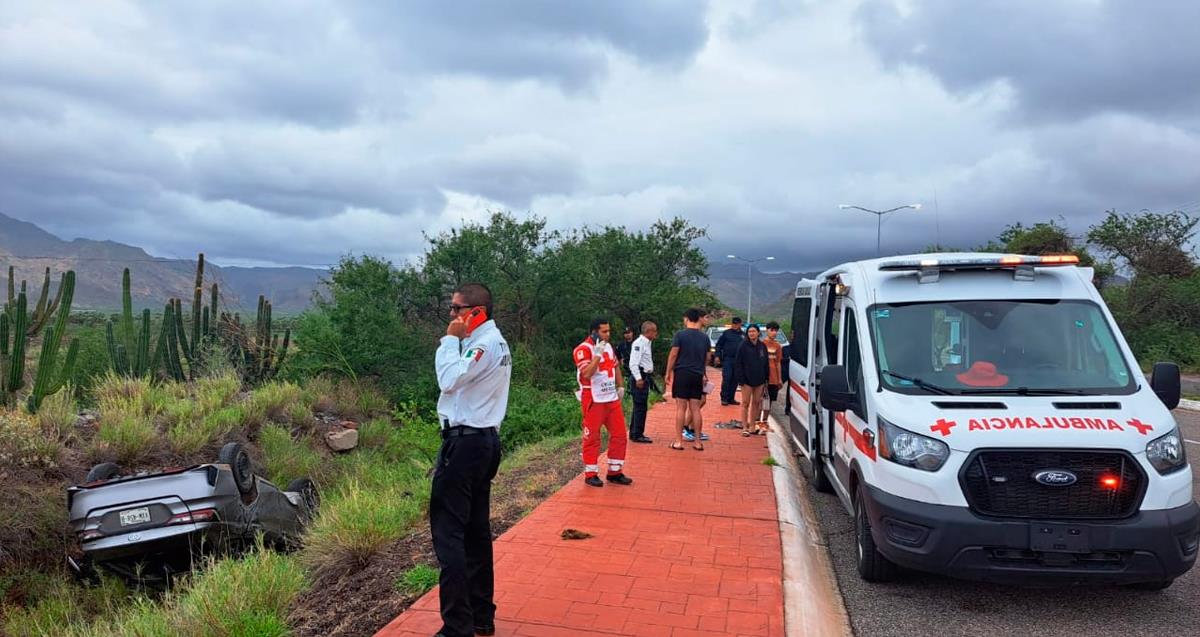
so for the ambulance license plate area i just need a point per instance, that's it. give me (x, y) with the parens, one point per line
(1059, 538)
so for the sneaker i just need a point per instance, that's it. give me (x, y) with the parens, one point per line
(619, 478)
(593, 481)
(703, 436)
(689, 436)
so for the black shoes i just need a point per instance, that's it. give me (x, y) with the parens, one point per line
(641, 439)
(619, 478)
(593, 481)
(485, 630)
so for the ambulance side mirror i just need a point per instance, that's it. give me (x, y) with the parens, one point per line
(1164, 380)
(836, 394)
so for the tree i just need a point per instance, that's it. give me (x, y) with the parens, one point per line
(1052, 237)
(1150, 244)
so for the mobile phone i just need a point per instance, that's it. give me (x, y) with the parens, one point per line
(477, 317)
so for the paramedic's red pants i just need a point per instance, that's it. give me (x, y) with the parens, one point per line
(612, 417)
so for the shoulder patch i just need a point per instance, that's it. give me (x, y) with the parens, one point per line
(473, 354)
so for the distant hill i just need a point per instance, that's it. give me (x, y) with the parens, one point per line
(98, 266)
(771, 295)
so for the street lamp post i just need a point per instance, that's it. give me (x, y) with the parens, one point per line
(749, 279)
(879, 218)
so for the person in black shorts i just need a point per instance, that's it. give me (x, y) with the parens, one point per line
(685, 377)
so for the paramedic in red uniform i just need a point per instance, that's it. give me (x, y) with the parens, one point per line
(601, 386)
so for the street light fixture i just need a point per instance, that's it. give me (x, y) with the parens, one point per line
(879, 218)
(749, 280)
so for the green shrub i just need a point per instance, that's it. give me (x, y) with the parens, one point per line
(217, 391)
(92, 362)
(534, 414)
(276, 398)
(417, 580)
(360, 519)
(126, 436)
(23, 445)
(58, 413)
(192, 435)
(287, 458)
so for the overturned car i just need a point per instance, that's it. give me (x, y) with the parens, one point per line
(147, 527)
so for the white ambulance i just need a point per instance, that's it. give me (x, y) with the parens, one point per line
(981, 416)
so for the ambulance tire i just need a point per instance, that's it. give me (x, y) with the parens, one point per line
(872, 565)
(820, 482)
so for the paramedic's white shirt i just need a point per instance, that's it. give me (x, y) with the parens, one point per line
(473, 374)
(639, 356)
(603, 383)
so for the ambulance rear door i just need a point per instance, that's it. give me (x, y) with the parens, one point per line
(800, 364)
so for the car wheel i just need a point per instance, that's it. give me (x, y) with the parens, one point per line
(103, 471)
(234, 455)
(308, 493)
(872, 565)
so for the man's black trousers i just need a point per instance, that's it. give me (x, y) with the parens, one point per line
(728, 384)
(459, 511)
(641, 400)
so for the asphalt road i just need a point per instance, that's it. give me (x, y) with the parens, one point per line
(921, 604)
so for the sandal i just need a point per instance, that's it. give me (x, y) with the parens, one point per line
(698, 447)
(745, 434)
(676, 446)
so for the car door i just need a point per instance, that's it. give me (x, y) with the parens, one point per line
(851, 426)
(800, 365)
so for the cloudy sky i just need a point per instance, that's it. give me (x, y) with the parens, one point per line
(292, 132)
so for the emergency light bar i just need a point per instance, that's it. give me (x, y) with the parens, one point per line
(1022, 266)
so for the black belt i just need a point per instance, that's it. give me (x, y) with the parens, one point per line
(463, 430)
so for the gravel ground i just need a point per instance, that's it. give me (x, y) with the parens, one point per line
(930, 605)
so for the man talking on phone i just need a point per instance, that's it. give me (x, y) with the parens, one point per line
(474, 368)
(601, 387)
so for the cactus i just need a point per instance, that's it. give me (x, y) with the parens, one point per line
(50, 377)
(129, 350)
(258, 354)
(13, 378)
(45, 310)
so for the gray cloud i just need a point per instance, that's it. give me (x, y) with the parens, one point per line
(1063, 59)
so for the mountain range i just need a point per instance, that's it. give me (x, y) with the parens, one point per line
(98, 267)
(770, 295)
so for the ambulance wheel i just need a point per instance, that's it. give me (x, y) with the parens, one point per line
(872, 565)
(1152, 586)
(818, 479)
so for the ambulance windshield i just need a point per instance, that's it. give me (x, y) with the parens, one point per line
(998, 347)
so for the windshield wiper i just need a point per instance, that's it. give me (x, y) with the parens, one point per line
(929, 387)
(1028, 391)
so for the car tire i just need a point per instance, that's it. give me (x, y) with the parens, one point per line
(308, 493)
(103, 471)
(871, 564)
(817, 478)
(234, 455)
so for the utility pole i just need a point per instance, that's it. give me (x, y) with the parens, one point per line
(879, 219)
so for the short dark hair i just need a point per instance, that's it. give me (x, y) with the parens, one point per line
(772, 325)
(646, 325)
(737, 320)
(596, 323)
(693, 314)
(476, 294)
(629, 329)
(753, 326)
(703, 312)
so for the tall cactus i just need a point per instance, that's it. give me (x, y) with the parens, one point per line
(50, 377)
(14, 367)
(191, 343)
(259, 354)
(45, 309)
(129, 344)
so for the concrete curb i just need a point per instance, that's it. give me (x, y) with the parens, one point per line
(812, 603)
(1190, 405)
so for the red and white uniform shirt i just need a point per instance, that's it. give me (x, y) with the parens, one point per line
(602, 384)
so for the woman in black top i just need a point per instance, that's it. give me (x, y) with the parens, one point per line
(750, 370)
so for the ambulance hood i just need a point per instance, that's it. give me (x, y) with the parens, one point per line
(967, 423)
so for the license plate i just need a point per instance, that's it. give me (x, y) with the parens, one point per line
(135, 516)
(1059, 538)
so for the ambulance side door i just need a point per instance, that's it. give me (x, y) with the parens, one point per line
(799, 365)
(850, 428)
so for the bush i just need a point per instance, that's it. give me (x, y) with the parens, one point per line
(276, 398)
(534, 414)
(216, 391)
(127, 437)
(58, 413)
(23, 445)
(92, 362)
(287, 458)
(192, 435)
(360, 519)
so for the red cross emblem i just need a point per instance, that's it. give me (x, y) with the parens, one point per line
(608, 364)
(943, 426)
(1139, 425)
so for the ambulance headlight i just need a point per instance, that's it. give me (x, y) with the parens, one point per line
(1166, 453)
(902, 446)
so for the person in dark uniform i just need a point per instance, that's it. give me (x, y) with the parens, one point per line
(474, 368)
(726, 351)
(641, 371)
(623, 350)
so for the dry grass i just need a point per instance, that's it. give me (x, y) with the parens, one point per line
(58, 413)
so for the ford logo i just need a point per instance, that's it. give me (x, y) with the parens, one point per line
(1055, 477)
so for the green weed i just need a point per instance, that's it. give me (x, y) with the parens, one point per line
(57, 414)
(770, 462)
(287, 458)
(417, 580)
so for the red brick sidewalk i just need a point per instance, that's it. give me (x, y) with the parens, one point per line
(691, 548)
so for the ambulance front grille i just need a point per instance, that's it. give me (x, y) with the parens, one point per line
(1000, 482)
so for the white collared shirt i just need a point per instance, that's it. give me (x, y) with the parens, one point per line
(473, 374)
(639, 356)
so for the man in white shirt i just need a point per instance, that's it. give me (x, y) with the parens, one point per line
(474, 368)
(641, 367)
(601, 386)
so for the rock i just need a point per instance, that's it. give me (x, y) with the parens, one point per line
(343, 440)
(575, 534)
(349, 424)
